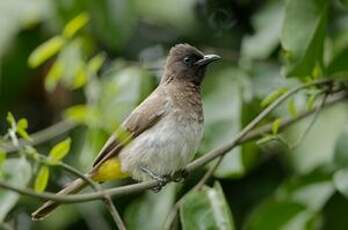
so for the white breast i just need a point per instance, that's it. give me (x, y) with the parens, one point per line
(165, 148)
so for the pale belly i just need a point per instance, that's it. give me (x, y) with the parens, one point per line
(164, 149)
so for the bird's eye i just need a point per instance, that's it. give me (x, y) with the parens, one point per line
(190, 60)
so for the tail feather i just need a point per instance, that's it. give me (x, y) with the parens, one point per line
(42, 212)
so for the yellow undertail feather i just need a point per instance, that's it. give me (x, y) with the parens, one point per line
(109, 170)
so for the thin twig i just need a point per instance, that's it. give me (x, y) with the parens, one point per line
(169, 223)
(172, 215)
(226, 148)
(41, 136)
(49, 133)
(84, 197)
(114, 213)
(107, 199)
(128, 189)
(208, 174)
(95, 186)
(314, 119)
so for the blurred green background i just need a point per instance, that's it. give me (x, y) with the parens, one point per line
(93, 61)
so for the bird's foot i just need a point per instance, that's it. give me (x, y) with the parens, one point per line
(162, 180)
(179, 175)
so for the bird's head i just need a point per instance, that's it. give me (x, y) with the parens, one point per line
(187, 63)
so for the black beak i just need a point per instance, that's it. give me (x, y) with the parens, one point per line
(207, 59)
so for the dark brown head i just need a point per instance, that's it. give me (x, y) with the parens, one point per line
(187, 63)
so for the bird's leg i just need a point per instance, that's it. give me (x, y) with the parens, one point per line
(162, 180)
(179, 175)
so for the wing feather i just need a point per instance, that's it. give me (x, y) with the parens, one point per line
(147, 114)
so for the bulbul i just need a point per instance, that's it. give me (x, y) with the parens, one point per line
(160, 137)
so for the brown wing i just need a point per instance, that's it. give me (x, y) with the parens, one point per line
(142, 118)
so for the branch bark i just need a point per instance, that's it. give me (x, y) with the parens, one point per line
(173, 213)
(246, 135)
(107, 199)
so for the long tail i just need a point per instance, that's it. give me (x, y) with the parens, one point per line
(42, 212)
(109, 170)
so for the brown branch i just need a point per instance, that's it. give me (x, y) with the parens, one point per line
(139, 187)
(49, 133)
(107, 199)
(226, 148)
(114, 213)
(253, 134)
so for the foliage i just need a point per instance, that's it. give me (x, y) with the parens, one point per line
(91, 63)
(207, 209)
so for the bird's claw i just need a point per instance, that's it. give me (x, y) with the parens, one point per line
(180, 175)
(162, 180)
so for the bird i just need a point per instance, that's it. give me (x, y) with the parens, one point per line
(160, 136)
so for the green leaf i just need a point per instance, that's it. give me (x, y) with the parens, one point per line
(77, 113)
(312, 190)
(273, 215)
(80, 78)
(22, 126)
(150, 211)
(83, 114)
(11, 120)
(265, 139)
(96, 63)
(320, 140)
(335, 213)
(23, 133)
(341, 181)
(310, 101)
(114, 24)
(338, 65)
(2, 157)
(303, 42)
(317, 71)
(46, 51)
(341, 149)
(275, 126)
(273, 96)
(207, 209)
(17, 172)
(223, 119)
(54, 75)
(41, 179)
(70, 69)
(76, 24)
(221, 208)
(344, 3)
(17, 16)
(60, 150)
(268, 24)
(292, 108)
